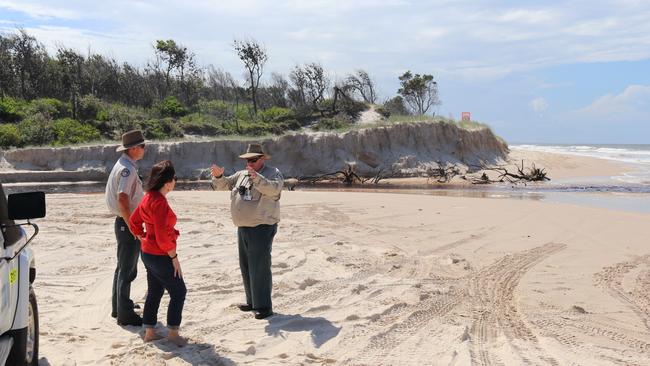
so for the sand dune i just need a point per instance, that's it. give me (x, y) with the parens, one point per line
(408, 148)
(365, 279)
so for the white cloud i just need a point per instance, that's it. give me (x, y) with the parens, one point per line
(333, 34)
(539, 105)
(39, 10)
(103, 43)
(432, 32)
(524, 16)
(332, 7)
(461, 38)
(634, 101)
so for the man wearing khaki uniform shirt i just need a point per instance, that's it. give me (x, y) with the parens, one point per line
(255, 209)
(123, 194)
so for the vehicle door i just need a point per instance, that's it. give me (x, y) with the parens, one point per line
(10, 241)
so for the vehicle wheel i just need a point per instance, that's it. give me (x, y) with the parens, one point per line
(24, 352)
(31, 349)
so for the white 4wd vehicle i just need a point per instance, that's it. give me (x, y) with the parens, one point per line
(18, 311)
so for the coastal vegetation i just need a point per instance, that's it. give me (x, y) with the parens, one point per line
(71, 98)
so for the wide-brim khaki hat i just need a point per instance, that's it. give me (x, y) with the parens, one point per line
(253, 151)
(131, 139)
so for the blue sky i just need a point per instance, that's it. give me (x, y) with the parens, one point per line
(571, 71)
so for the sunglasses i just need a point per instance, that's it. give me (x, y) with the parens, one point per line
(253, 160)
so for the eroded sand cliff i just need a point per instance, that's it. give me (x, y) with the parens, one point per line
(406, 148)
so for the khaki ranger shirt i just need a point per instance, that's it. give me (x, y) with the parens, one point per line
(257, 202)
(124, 179)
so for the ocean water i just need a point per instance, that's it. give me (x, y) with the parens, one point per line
(636, 155)
(628, 192)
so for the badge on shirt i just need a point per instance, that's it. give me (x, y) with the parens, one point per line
(248, 196)
(125, 172)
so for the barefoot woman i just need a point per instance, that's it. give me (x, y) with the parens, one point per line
(159, 252)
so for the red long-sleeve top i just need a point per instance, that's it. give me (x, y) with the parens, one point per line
(159, 235)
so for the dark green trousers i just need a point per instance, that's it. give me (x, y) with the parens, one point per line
(128, 252)
(255, 263)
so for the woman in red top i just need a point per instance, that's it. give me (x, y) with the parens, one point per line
(158, 239)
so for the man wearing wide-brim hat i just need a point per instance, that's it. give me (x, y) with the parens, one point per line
(123, 194)
(255, 210)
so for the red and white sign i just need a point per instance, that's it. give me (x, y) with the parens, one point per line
(465, 116)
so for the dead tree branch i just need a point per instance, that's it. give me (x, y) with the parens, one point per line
(346, 175)
(379, 176)
(442, 173)
(522, 175)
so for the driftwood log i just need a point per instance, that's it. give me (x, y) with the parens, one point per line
(348, 176)
(523, 175)
(442, 173)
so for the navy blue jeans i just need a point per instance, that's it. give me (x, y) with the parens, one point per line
(255, 263)
(128, 252)
(160, 277)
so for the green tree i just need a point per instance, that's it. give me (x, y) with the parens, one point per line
(297, 94)
(176, 57)
(362, 83)
(275, 93)
(310, 83)
(26, 55)
(171, 107)
(100, 77)
(11, 109)
(395, 106)
(172, 55)
(254, 56)
(70, 131)
(36, 130)
(9, 136)
(419, 91)
(7, 69)
(72, 66)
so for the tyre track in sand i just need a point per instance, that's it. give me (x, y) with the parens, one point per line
(494, 306)
(637, 298)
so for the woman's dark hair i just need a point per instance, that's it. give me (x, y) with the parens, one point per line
(161, 173)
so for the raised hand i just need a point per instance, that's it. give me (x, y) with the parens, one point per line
(217, 171)
(251, 172)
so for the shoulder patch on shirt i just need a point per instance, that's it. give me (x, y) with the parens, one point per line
(125, 172)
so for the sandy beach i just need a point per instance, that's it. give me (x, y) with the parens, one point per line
(564, 167)
(368, 279)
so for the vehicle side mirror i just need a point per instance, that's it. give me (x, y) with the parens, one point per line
(25, 206)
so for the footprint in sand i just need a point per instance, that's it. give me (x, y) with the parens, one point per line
(319, 308)
(118, 345)
(357, 290)
(249, 351)
(308, 282)
(578, 309)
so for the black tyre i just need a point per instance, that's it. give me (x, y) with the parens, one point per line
(31, 349)
(25, 349)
